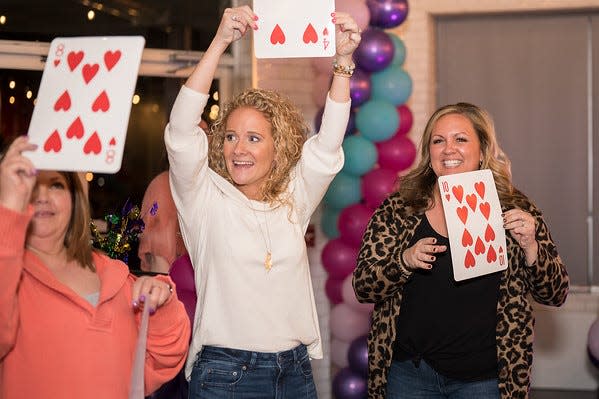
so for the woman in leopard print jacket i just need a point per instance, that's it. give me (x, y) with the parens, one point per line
(463, 339)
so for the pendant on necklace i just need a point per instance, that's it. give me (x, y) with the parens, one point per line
(268, 261)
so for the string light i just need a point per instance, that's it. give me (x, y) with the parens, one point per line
(91, 15)
(12, 84)
(136, 99)
(2, 19)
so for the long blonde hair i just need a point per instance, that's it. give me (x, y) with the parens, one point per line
(417, 186)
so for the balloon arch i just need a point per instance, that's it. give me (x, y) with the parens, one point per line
(377, 149)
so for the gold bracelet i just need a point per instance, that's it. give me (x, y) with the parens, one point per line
(343, 70)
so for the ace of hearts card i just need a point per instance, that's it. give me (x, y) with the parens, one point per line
(288, 29)
(82, 109)
(474, 223)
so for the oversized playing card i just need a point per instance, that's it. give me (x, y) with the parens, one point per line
(288, 29)
(474, 223)
(82, 110)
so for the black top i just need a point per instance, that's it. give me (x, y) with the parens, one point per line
(449, 324)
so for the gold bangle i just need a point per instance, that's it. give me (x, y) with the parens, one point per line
(343, 70)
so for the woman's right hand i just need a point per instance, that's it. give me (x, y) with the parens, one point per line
(17, 175)
(420, 254)
(234, 24)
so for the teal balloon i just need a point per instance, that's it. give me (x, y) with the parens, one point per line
(360, 155)
(328, 222)
(399, 56)
(343, 191)
(392, 84)
(377, 120)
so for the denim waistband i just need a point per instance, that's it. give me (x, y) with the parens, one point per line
(254, 358)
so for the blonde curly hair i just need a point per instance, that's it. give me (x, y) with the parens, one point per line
(417, 186)
(289, 132)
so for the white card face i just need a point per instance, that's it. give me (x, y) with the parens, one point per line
(82, 110)
(474, 223)
(288, 29)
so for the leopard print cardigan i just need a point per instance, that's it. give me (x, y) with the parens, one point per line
(380, 276)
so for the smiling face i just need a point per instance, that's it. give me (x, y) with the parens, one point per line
(249, 150)
(454, 146)
(52, 202)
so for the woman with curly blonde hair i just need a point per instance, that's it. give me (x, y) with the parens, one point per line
(244, 200)
(432, 336)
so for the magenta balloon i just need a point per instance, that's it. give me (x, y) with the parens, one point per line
(349, 297)
(357, 9)
(181, 272)
(352, 223)
(387, 13)
(375, 51)
(339, 259)
(377, 185)
(357, 355)
(348, 384)
(359, 87)
(332, 287)
(405, 120)
(397, 153)
(347, 324)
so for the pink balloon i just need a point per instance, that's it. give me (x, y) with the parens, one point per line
(320, 88)
(377, 185)
(339, 259)
(349, 297)
(593, 341)
(358, 9)
(352, 223)
(406, 119)
(339, 351)
(332, 288)
(397, 153)
(322, 65)
(347, 324)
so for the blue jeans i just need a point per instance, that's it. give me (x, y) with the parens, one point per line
(221, 373)
(406, 381)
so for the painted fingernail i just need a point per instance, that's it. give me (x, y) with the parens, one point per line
(142, 298)
(332, 14)
(152, 311)
(434, 240)
(255, 27)
(255, 17)
(135, 304)
(432, 258)
(334, 20)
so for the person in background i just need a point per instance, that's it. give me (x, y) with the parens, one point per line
(70, 314)
(434, 337)
(244, 200)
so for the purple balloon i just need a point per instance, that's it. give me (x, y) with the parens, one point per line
(387, 13)
(348, 384)
(359, 87)
(339, 259)
(375, 51)
(358, 355)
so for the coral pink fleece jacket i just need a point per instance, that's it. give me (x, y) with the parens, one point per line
(54, 344)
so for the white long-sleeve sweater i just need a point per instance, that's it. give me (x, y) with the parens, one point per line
(240, 304)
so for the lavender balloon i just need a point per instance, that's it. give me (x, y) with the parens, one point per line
(348, 384)
(359, 88)
(376, 50)
(387, 13)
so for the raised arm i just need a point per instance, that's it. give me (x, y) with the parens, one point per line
(347, 39)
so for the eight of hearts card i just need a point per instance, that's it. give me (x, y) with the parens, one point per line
(474, 223)
(288, 29)
(82, 110)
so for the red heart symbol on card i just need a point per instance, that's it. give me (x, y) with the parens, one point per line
(479, 247)
(277, 35)
(458, 192)
(485, 209)
(447, 197)
(93, 144)
(462, 213)
(489, 233)
(89, 71)
(76, 129)
(310, 35)
(63, 102)
(471, 200)
(56, 62)
(491, 255)
(469, 260)
(53, 142)
(74, 58)
(466, 238)
(112, 141)
(101, 103)
(480, 189)
(111, 58)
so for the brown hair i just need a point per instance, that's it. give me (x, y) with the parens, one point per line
(289, 132)
(417, 186)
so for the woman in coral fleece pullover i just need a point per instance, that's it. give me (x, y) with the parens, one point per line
(69, 316)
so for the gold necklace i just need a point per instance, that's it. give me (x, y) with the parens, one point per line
(265, 238)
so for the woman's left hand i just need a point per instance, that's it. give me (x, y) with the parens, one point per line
(150, 291)
(347, 34)
(522, 228)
